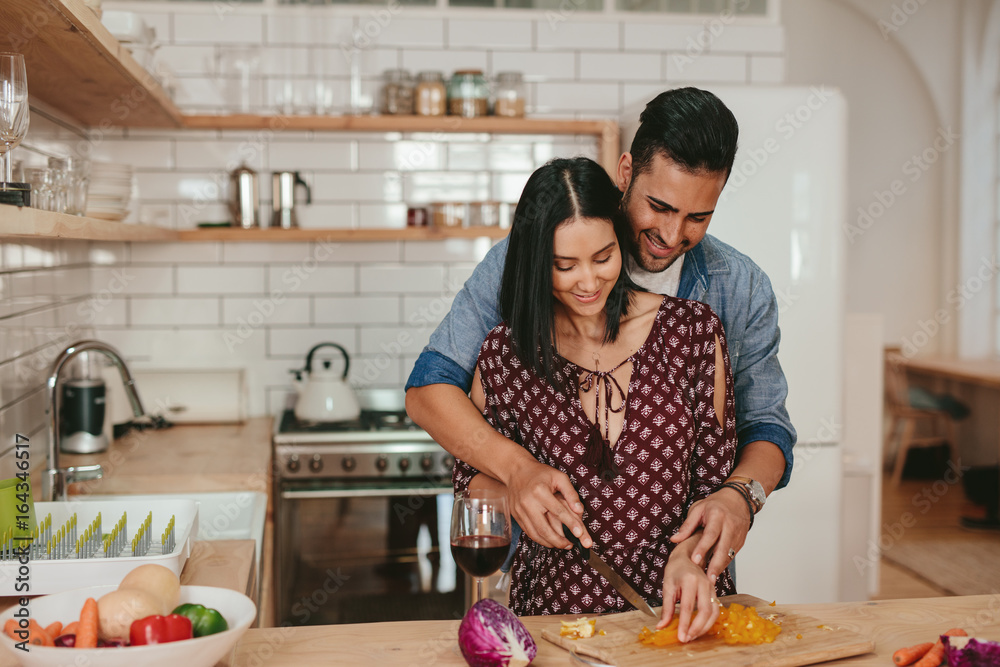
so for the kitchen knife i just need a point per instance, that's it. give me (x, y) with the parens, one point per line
(613, 577)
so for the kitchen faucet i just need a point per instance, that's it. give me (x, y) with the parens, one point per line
(55, 479)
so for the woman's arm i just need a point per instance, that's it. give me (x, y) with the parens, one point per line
(542, 499)
(688, 583)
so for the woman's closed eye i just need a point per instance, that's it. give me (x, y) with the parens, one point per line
(562, 268)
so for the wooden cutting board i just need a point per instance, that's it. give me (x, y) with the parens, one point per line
(818, 643)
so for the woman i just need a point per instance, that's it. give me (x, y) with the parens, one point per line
(628, 393)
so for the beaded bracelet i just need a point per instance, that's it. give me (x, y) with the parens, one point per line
(743, 494)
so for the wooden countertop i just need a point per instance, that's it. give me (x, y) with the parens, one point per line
(891, 623)
(183, 458)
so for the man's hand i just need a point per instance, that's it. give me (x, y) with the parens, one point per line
(725, 521)
(687, 582)
(543, 499)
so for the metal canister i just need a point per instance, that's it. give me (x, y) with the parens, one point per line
(244, 197)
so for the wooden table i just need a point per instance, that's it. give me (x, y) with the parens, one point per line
(981, 372)
(976, 372)
(891, 623)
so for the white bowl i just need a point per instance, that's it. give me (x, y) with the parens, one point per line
(238, 610)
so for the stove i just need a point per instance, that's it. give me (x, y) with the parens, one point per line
(381, 444)
(362, 509)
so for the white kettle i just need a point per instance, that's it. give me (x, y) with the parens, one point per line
(324, 394)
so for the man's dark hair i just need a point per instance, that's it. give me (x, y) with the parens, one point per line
(559, 191)
(689, 126)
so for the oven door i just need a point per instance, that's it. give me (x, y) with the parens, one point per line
(360, 551)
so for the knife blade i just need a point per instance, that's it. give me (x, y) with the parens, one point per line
(615, 579)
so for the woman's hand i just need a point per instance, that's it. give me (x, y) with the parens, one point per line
(725, 522)
(543, 499)
(687, 582)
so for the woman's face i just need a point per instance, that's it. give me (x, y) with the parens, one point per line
(586, 264)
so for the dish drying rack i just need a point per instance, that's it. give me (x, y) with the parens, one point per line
(66, 543)
(69, 547)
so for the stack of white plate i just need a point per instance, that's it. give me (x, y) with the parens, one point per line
(110, 191)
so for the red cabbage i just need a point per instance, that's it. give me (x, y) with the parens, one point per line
(492, 636)
(969, 652)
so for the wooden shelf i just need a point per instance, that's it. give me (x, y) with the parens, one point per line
(449, 124)
(343, 235)
(75, 66)
(606, 131)
(35, 224)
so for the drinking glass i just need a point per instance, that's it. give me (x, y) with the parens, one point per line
(14, 113)
(480, 533)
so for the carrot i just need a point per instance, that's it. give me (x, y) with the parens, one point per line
(70, 629)
(54, 629)
(9, 628)
(936, 655)
(37, 635)
(908, 656)
(86, 633)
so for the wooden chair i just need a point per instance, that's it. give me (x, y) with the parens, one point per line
(940, 425)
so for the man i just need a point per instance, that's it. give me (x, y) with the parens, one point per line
(671, 180)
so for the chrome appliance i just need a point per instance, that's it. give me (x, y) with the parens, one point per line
(362, 511)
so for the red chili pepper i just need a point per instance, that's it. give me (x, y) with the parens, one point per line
(160, 630)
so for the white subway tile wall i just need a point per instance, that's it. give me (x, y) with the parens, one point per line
(262, 306)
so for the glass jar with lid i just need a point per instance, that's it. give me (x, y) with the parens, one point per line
(431, 96)
(468, 94)
(397, 92)
(509, 95)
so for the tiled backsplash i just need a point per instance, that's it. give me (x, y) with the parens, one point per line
(262, 306)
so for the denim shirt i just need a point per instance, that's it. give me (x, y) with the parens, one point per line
(738, 291)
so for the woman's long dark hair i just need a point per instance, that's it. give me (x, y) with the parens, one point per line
(561, 190)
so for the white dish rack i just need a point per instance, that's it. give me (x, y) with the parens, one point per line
(141, 525)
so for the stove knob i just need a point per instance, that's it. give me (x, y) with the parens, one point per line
(293, 463)
(382, 462)
(316, 464)
(448, 461)
(426, 463)
(348, 463)
(404, 464)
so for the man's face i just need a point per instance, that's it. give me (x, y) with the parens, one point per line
(668, 209)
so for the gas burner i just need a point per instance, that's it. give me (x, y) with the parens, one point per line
(370, 420)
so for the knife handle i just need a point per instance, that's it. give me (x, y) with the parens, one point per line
(576, 542)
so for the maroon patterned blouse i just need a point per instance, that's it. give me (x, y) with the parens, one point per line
(671, 452)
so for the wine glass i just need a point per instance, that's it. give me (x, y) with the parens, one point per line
(480, 533)
(14, 113)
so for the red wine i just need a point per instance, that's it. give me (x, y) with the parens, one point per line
(480, 555)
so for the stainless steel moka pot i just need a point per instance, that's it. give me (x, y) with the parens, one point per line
(283, 198)
(244, 197)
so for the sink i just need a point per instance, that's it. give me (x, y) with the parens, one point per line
(225, 515)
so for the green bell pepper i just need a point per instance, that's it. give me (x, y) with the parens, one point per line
(204, 621)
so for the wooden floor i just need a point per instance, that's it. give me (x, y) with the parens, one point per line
(936, 511)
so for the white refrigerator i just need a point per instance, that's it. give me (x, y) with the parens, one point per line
(783, 206)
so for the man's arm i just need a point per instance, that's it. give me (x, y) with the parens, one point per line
(761, 388)
(436, 399)
(764, 432)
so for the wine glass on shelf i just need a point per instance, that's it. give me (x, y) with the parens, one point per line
(480, 533)
(14, 113)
